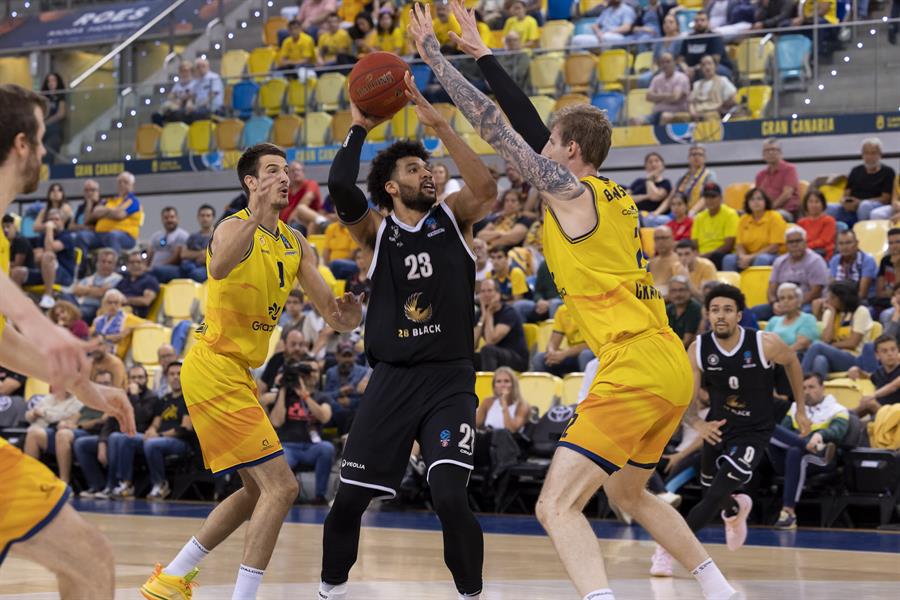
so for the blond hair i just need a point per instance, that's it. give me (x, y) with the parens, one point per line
(516, 391)
(587, 126)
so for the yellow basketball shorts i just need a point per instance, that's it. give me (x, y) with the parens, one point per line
(30, 496)
(221, 396)
(637, 399)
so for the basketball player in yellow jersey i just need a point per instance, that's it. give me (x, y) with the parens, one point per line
(592, 248)
(253, 261)
(36, 521)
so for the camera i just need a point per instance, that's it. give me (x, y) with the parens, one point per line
(292, 372)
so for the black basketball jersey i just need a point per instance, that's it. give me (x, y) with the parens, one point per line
(740, 385)
(422, 307)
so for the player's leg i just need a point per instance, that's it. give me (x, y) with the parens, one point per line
(340, 542)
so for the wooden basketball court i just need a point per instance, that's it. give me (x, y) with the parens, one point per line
(401, 557)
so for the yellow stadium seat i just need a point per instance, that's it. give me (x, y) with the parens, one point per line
(477, 144)
(461, 125)
(545, 331)
(271, 95)
(285, 129)
(612, 67)
(571, 386)
(146, 140)
(636, 104)
(233, 64)
(734, 193)
(273, 342)
(874, 331)
(496, 41)
(146, 340)
(872, 236)
(378, 134)
(756, 99)
(300, 94)
(17, 70)
(586, 5)
(834, 191)
(330, 91)
(803, 188)
(259, 64)
(484, 385)
(405, 124)
(200, 136)
(338, 288)
(545, 72)
(755, 285)
(171, 141)
(36, 387)
(540, 389)
(271, 28)
(570, 100)
(694, 4)
(579, 72)
(753, 58)
(315, 129)
(634, 135)
(340, 124)
(643, 62)
(228, 134)
(845, 391)
(447, 110)
(180, 298)
(317, 240)
(544, 106)
(647, 241)
(531, 335)
(555, 35)
(729, 277)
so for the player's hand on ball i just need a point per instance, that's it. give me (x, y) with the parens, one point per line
(710, 431)
(428, 114)
(368, 122)
(470, 42)
(422, 30)
(348, 315)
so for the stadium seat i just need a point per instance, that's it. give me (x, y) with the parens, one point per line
(200, 136)
(405, 124)
(171, 141)
(792, 54)
(611, 102)
(544, 106)
(317, 240)
(694, 4)
(271, 28)
(647, 242)
(558, 9)
(243, 97)
(612, 67)
(755, 285)
(447, 110)
(584, 6)
(753, 59)
(340, 124)
(17, 70)
(315, 129)
(271, 96)
(756, 99)
(872, 236)
(256, 131)
(579, 72)
(35, 387)
(541, 390)
(233, 64)
(874, 331)
(378, 134)
(803, 188)
(259, 63)
(583, 26)
(228, 134)
(484, 385)
(285, 129)
(643, 62)
(531, 335)
(461, 125)
(555, 35)
(179, 298)
(834, 191)
(845, 391)
(734, 193)
(146, 340)
(545, 72)
(422, 75)
(570, 100)
(729, 277)
(146, 140)
(330, 91)
(477, 144)
(685, 18)
(571, 386)
(545, 330)
(636, 104)
(300, 94)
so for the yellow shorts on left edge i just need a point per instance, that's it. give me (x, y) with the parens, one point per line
(221, 396)
(30, 496)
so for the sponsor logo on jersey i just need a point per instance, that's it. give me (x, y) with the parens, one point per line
(267, 327)
(630, 211)
(352, 465)
(274, 310)
(265, 445)
(432, 226)
(748, 360)
(713, 359)
(735, 405)
(395, 236)
(285, 241)
(445, 438)
(416, 313)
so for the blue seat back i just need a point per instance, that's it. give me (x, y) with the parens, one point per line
(685, 17)
(611, 102)
(559, 10)
(422, 74)
(256, 131)
(792, 52)
(243, 97)
(583, 26)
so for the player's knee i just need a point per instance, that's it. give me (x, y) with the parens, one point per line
(548, 509)
(286, 490)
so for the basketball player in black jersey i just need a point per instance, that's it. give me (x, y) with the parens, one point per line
(418, 338)
(738, 366)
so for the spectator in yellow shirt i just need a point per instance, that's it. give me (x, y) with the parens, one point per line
(511, 281)
(337, 251)
(561, 361)
(715, 228)
(386, 37)
(116, 222)
(335, 45)
(443, 24)
(524, 25)
(297, 50)
(760, 234)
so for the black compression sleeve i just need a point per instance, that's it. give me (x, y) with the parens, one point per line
(349, 201)
(518, 108)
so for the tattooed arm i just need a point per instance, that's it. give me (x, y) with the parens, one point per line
(545, 175)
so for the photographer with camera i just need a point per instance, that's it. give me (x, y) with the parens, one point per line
(298, 419)
(295, 349)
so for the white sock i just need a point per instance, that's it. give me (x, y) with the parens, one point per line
(712, 582)
(189, 557)
(476, 596)
(604, 594)
(337, 590)
(248, 581)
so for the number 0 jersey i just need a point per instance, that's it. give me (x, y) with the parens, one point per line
(602, 275)
(242, 309)
(422, 307)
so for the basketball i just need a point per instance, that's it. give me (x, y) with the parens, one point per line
(376, 84)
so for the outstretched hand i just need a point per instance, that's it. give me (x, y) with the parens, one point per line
(348, 315)
(428, 114)
(422, 31)
(470, 42)
(369, 122)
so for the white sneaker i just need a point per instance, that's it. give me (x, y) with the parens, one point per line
(736, 526)
(47, 302)
(621, 514)
(338, 592)
(661, 563)
(670, 498)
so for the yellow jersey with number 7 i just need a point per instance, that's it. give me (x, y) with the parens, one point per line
(602, 275)
(242, 309)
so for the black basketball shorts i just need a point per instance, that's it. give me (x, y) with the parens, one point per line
(740, 456)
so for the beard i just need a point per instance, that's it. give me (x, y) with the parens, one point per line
(723, 335)
(416, 199)
(31, 173)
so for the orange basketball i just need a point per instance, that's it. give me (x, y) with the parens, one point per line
(376, 84)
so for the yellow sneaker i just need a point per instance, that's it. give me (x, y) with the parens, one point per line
(168, 587)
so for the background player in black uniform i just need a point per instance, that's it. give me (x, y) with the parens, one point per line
(738, 366)
(419, 340)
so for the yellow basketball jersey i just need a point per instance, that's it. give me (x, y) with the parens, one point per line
(602, 276)
(4, 266)
(242, 309)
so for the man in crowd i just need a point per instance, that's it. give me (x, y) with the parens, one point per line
(88, 292)
(715, 228)
(116, 222)
(801, 266)
(297, 315)
(91, 194)
(613, 25)
(665, 264)
(89, 421)
(297, 50)
(304, 201)
(684, 312)
(516, 61)
(139, 286)
(699, 269)
(888, 270)
(779, 180)
(702, 43)
(20, 252)
(56, 256)
(852, 264)
(868, 191)
(295, 350)
(886, 379)
(209, 92)
(103, 361)
(692, 182)
(170, 433)
(501, 329)
(179, 102)
(49, 414)
(669, 90)
(192, 256)
(511, 281)
(561, 361)
(165, 356)
(164, 251)
(342, 386)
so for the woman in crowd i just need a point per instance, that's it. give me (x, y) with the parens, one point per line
(56, 198)
(681, 223)
(650, 191)
(511, 226)
(796, 328)
(760, 234)
(506, 409)
(386, 36)
(66, 315)
(444, 185)
(820, 227)
(53, 89)
(113, 324)
(846, 323)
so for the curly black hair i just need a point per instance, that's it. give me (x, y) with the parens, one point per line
(383, 169)
(847, 294)
(723, 290)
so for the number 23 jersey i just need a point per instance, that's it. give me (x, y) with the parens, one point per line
(421, 308)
